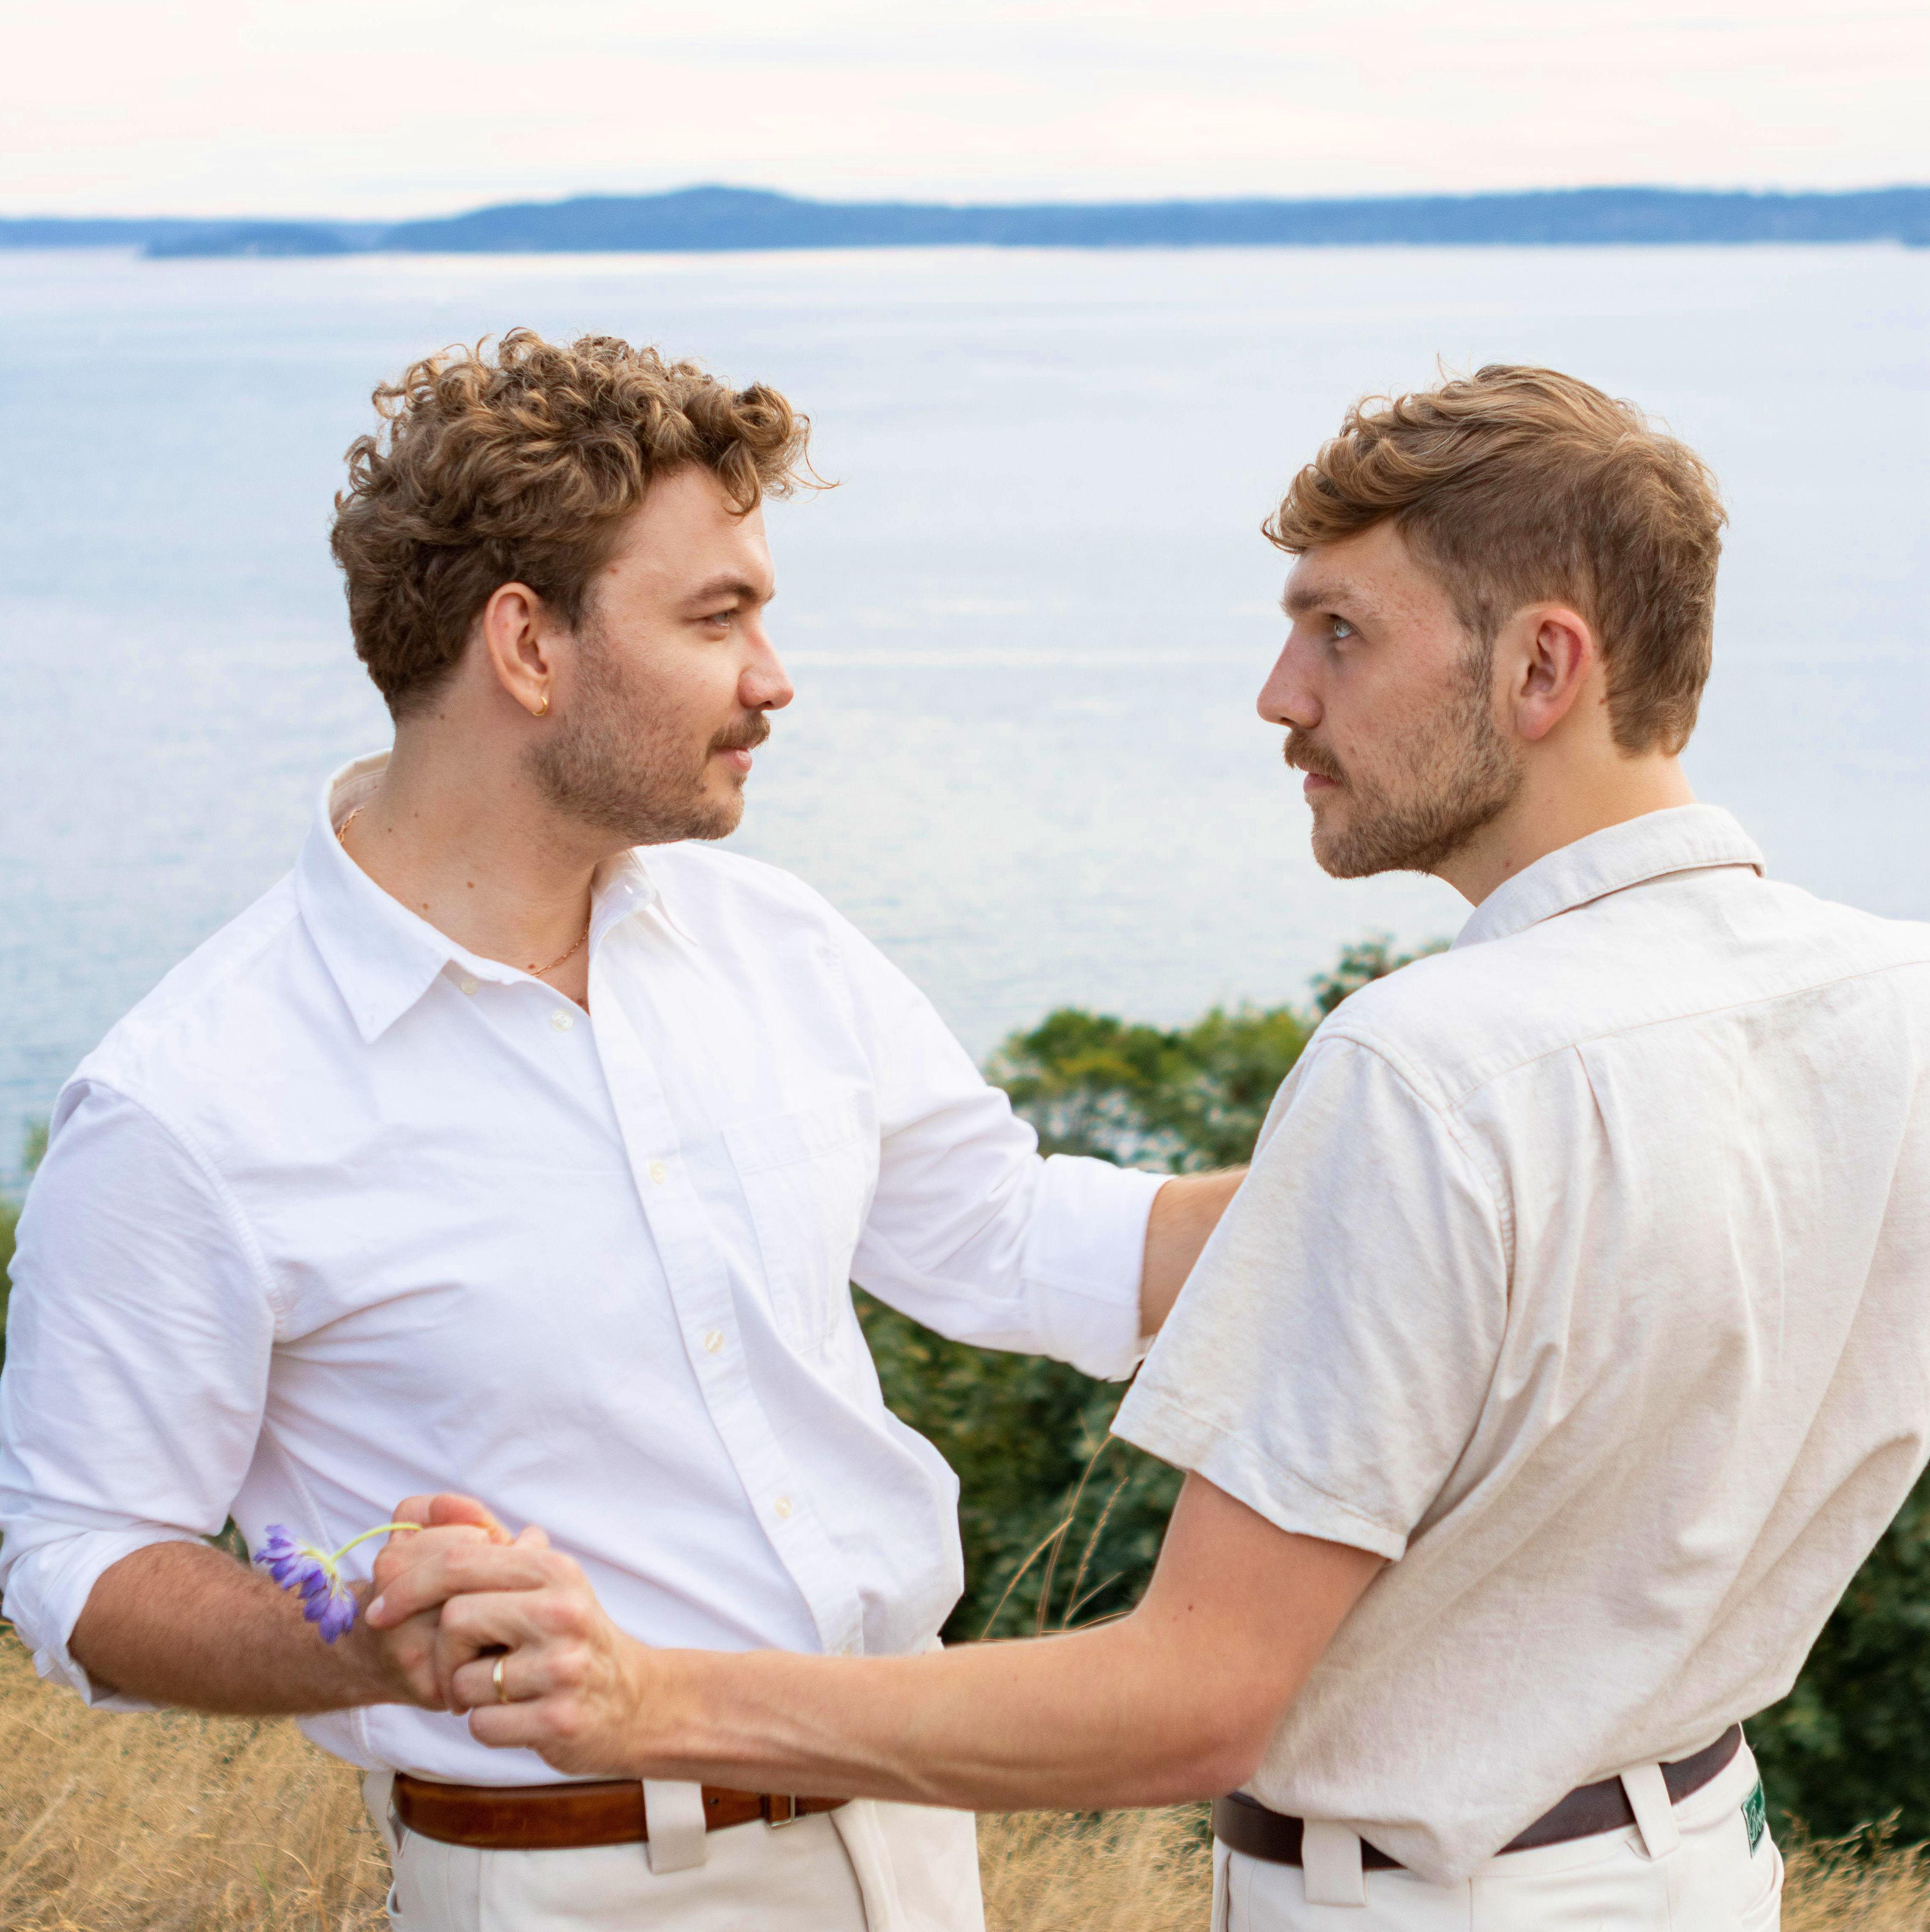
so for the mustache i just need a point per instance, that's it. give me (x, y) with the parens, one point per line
(1303, 755)
(747, 736)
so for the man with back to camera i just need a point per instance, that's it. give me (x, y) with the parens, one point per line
(486, 1141)
(1566, 1350)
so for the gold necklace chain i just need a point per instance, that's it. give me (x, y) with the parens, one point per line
(537, 972)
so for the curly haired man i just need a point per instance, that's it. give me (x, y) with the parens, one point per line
(520, 1133)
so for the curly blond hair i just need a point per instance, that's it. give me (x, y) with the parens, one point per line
(1518, 485)
(520, 466)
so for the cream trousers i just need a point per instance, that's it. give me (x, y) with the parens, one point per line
(1712, 1879)
(869, 1866)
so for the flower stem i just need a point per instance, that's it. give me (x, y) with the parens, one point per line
(380, 1529)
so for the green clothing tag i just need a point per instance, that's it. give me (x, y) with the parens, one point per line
(1755, 1816)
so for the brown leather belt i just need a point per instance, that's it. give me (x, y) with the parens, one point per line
(1244, 1824)
(564, 1817)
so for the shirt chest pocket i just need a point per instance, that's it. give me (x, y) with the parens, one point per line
(807, 1179)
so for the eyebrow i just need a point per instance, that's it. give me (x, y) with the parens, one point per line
(1297, 602)
(729, 583)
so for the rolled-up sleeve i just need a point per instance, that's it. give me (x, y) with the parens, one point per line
(138, 1343)
(1328, 1360)
(970, 1231)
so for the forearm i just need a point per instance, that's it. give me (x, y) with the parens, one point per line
(183, 1623)
(1185, 1213)
(1176, 1701)
(1095, 1719)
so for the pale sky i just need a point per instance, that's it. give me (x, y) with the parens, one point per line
(395, 107)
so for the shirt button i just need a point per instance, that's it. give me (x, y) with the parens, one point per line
(562, 1021)
(783, 1507)
(468, 984)
(659, 1173)
(714, 1340)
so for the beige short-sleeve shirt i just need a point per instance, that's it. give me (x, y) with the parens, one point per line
(1584, 1272)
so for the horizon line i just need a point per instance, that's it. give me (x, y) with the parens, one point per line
(962, 203)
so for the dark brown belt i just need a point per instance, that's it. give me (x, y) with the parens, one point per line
(563, 1817)
(1244, 1824)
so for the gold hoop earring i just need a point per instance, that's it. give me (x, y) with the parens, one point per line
(543, 709)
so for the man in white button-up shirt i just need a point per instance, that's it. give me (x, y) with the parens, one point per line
(518, 1139)
(1567, 1349)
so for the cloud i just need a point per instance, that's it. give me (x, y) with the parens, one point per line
(383, 107)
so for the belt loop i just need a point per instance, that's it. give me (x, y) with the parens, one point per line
(379, 1799)
(1221, 1920)
(1655, 1810)
(1330, 1865)
(674, 1817)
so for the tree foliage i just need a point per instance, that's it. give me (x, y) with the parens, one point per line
(35, 1145)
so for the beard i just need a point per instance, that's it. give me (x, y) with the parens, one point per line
(1448, 783)
(621, 760)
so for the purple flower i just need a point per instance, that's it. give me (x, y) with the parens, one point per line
(327, 1601)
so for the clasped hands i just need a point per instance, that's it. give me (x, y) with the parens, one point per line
(511, 1632)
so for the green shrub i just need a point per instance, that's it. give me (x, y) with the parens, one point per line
(10, 1218)
(10, 1221)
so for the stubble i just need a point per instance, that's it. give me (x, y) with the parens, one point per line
(1446, 784)
(622, 760)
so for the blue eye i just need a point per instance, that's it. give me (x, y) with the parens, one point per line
(1342, 628)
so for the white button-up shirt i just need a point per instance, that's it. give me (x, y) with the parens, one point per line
(342, 1213)
(1583, 1273)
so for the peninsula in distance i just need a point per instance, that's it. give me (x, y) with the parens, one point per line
(696, 220)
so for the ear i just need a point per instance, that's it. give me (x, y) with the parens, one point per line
(1554, 656)
(518, 643)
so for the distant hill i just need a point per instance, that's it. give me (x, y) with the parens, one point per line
(701, 218)
(715, 219)
(267, 238)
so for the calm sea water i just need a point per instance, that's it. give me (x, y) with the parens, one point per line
(1026, 630)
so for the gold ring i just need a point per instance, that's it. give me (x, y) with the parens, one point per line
(495, 1677)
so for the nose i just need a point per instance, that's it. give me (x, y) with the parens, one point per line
(766, 685)
(1287, 697)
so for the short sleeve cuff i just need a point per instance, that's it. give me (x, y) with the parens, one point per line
(1085, 1251)
(47, 1589)
(1151, 1420)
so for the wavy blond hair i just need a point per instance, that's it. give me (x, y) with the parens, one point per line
(520, 465)
(1516, 485)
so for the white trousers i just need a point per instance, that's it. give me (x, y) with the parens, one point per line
(1712, 1879)
(868, 1867)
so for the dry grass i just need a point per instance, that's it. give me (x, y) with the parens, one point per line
(173, 1823)
(1833, 1887)
(185, 1824)
(1130, 1871)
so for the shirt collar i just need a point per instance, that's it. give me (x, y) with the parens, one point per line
(382, 957)
(1684, 838)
